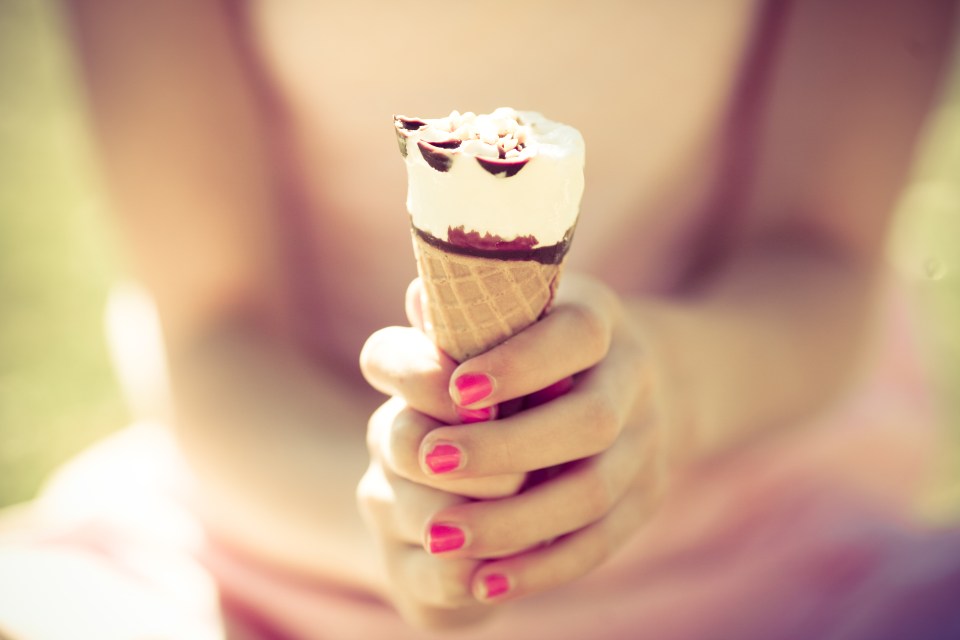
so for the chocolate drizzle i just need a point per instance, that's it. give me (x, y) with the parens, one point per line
(436, 156)
(488, 242)
(452, 143)
(552, 254)
(402, 125)
(439, 154)
(410, 124)
(508, 168)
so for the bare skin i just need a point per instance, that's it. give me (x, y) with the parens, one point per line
(261, 197)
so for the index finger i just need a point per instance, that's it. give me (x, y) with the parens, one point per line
(582, 423)
(575, 336)
(401, 361)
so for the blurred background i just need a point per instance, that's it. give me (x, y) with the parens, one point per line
(57, 259)
(58, 262)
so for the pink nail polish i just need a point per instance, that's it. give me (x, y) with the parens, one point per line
(445, 537)
(495, 584)
(473, 387)
(443, 458)
(468, 416)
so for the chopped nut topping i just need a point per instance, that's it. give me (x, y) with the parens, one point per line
(499, 135)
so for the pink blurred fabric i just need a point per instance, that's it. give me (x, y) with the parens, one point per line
(804, 535)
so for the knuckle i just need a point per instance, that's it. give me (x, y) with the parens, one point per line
(503, 361)
(373, 430)
(598, 494)
(603, 546)
(401, 446)
(603, 416)
(635, 360)
(597, 543)
(380, 421)
(370, 495)
(591, 328)
(444, 583)
(369, 351)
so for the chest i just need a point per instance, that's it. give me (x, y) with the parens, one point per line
(645, 82)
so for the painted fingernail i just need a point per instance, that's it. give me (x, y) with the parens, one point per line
(495, 584)
(473, 387)
(468, 416)
(443, 458)
(445, 537)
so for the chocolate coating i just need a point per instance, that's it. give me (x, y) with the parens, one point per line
(410, 124)
(488, 242)
(452, 143)
(552, 254)
(508, 168)
(401, 125)
(437, 157)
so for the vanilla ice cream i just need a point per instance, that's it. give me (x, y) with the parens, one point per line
(493, 202)
(505, 181)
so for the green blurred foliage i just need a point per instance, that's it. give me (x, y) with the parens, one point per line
(925, 252)
(57, 390)
(58, 259)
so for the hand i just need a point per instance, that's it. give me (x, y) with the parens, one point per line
(591, 454)
(427, 590)
(396, 497)
(402, 362)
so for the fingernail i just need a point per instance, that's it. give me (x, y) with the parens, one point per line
(445, 537)
(473, 387)
(468, 416)
(443, 458)
(495, 584)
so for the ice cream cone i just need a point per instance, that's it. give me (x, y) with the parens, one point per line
(474, 303)
(493, 202)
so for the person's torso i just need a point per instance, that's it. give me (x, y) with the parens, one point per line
(648, 84)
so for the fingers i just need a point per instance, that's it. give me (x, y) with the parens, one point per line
(572, 338)
(565, 559)
(430, 592)
(394, 436)
(538, 362)
(401, 361)
(431, 581)
(541, 538)
(446, 581)
(576, 497)
(400, 509)
(558, 531)
(413, 303)
(580, 424)
(579, 392)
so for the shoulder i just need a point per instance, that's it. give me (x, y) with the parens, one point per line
(835, 108)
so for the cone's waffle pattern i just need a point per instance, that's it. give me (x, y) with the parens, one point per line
(473, 304)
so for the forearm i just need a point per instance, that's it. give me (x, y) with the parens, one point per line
(277, 444)
(768, 339)
(276, 441)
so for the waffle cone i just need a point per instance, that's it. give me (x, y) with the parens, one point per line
(473, 303)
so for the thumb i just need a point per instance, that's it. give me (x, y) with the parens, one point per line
(414, 303)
